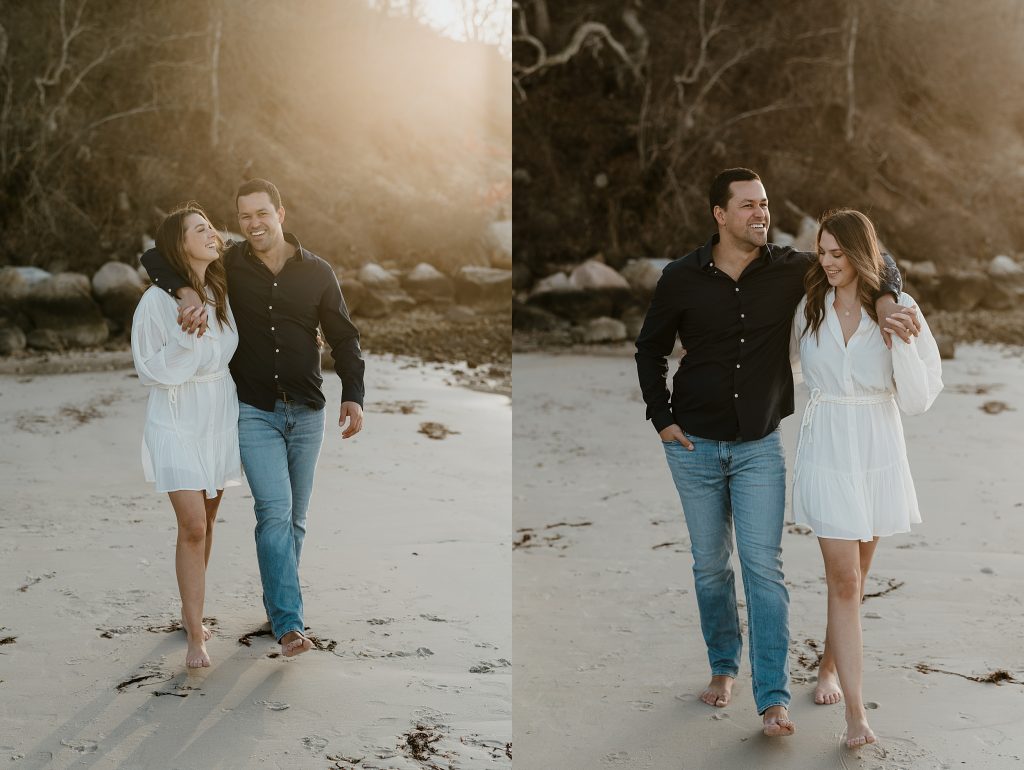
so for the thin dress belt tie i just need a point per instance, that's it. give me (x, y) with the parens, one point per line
(818, 397)
(172, 390)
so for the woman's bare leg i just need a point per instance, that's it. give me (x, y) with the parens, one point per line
(190, 567)
(845, 593)
(828, 690)
(212, 505)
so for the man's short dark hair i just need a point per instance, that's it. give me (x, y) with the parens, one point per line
(259, 185)
(719, 194)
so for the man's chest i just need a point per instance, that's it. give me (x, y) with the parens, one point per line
(258, 295)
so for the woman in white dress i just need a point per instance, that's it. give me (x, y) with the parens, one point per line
(852, 481)
(190, 441)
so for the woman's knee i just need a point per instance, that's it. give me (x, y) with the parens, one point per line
(844, 583)
(192, 531)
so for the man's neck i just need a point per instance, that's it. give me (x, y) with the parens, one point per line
(277, 255)
(733, 256)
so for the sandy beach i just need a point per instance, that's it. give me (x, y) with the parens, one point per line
(406, 579)
(609, 657)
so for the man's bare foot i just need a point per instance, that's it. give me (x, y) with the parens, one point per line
(196, 656)
(828, 690)
(858, 733)
(719, 692)
(293, 643)
(207, 633)
(777, 722)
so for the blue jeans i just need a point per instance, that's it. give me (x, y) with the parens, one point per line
(279, 452)
(741, 484)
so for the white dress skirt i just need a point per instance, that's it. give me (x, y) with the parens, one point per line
(190, 440)
(851, 479)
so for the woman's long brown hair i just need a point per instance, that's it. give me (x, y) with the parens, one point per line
(170, 241)
(856, 237)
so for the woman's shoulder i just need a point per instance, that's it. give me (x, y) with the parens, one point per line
(154, 299)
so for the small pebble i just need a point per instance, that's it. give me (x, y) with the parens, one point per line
(987, 571)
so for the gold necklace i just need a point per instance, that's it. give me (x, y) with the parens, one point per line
(846, 312)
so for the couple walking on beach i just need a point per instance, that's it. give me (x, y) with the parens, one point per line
(227, 340)
(752, 316)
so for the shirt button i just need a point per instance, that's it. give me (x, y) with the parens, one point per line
(737, 288)
(275, 284)
(734, 395)
(270, 307)
(743, 315)
(277, 350)
(272, 329)
(737, 366)
(275, 376)
(742, 340)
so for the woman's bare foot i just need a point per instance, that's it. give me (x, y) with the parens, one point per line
(777, 722)
(718, 692)
(196, 656)
(207, 633)
(828, 690)
(293, 643)
(858, 733)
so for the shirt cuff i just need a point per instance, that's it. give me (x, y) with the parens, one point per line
(662, 420)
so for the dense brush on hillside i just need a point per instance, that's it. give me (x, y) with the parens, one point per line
(624, 111)
(389, 143)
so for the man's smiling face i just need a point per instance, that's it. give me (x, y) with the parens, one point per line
(746, 217)
(260, 221)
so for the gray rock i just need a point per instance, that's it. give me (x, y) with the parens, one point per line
(947, 348)
(633, 317)
(806, 235)
(63, 303)
(527, 318)
(483, 285)
(500, 242)
(593, 275)
(425, 283)
(592, 290)
(1001, 295)
(604, 330)
(352, 290)
(44, 339)
(781, 237)
(921, 270)
(643, 275)
(521, 176)
(522, 277)
(16, 282)
(961, 290)
(118, 288)
(375, 278)
(460, 314)
(381, 303)
(12, 340)
(1004, 268)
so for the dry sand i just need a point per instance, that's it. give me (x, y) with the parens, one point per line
(608, 651)
(406, 574)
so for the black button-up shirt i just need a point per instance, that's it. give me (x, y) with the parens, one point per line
(735, 381)
(277, 317)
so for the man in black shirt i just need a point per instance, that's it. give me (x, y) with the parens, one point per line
(731, 303)
(280, 294)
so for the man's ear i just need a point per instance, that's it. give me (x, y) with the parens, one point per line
(280, 215)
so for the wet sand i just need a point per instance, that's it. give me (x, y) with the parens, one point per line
(609, 654)
(406, 581)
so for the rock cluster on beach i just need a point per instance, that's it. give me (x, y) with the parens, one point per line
(594, 303)
(45, 311)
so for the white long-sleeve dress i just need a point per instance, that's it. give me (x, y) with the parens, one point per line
(851, 479)
(190, 440)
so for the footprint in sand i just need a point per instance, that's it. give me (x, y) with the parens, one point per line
(641, 705)
(314, 743)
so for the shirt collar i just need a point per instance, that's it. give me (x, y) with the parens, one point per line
(704, 253)
(300, 255)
